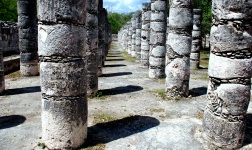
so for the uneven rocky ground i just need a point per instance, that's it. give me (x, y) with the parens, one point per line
(130, 111)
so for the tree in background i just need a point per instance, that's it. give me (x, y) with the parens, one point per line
(117, 20)
(8, 10)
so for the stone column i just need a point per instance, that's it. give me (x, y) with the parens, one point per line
(28, 34)
(145, 34)
(138, 35)
(157, 39)
(133, 39)
(178, 48)
(2, 82)
(230, 70)
(130, 36)
(62, 55)
(92, 46)
(196, 39)
(100, 36)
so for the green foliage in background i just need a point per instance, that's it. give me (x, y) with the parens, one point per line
(206, 7)
(8, 10)
(117, 20)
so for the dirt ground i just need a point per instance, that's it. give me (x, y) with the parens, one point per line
(129, 112)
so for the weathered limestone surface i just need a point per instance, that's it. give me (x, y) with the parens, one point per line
(230, 70)
(145, 34)
(2, 82)
(92, 46)
(157, 39)
(61, 43)
(138, 35)
(133, 39)
(178, 48)
(196, 39)
(28, 33)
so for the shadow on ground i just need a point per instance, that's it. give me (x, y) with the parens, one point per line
(110, 131)
(199, 91)
(115, 65)
(116, 74)
(24, 90)
(11, 121)
(121, 90)
(248, 131)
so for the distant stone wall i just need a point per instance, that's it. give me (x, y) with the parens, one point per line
(9, 36)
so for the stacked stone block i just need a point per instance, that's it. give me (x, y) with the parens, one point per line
(178, 48)
(138, 35)
(27, 23)
(92, 46)
(230, 70)
(196, 39)
(2, 82)
(133, 39)
(157, 39)
(145, 34)
(62, 55)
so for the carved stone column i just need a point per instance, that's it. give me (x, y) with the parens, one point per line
(230, 70)
(157, 38)
(28, 34)
(92, 46)
(178, 48)
(100, 36)
(133, 39)
(196, 39)
(62, 54)
(130, 36)
(2, 82)
(138, 35)
(145, 34)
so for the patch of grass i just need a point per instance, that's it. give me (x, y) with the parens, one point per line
(161, 93)
(201, 77)
(156, 110)
(101, 118)
(13, 75)
(162, 80)
(128, 57)
(96, 147)
(99, 95)
(42, 145)
(204, 58)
